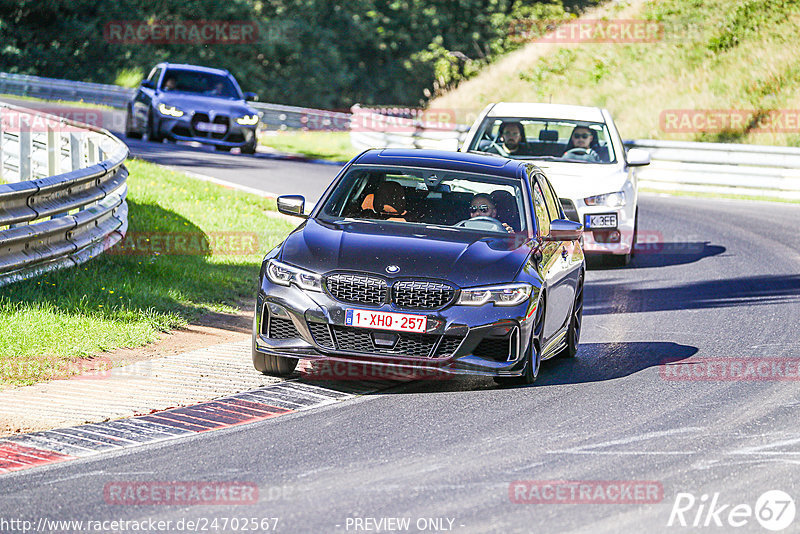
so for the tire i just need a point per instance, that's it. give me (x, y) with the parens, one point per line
(635, 233)
(268, 364)
(130, 134)
(273, 365)
(152, 130)
(575, 324)
(250, 148)
(533, 359)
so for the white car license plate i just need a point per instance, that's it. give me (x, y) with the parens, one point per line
(602, 220)
(210, 127)
(399, 322)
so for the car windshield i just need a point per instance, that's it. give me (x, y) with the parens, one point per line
(545, 139)
(410, 196)
(204, 83)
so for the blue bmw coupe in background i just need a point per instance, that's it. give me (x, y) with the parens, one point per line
(191, 103)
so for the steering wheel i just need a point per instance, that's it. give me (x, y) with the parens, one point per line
(581, 153)
(493, 143)
(482, 223)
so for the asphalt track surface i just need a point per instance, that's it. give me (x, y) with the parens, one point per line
(720, 284)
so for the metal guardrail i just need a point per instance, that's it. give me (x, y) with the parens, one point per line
(725, 167)
(273, 116)
(55, 89)
(65, 202)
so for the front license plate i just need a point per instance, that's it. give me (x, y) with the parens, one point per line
(399, 322)
(602, 220)
(210, 127)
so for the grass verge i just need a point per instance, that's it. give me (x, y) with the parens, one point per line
(733, 55)
(204, 252)
(332, 146)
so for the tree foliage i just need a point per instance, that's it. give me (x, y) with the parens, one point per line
(309, 52)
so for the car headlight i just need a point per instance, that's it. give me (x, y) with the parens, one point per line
(503, 295)
(282, 274)
(248, 120)
(169, 111)
(612, 200)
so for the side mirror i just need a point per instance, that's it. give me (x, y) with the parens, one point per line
(292, 205)
(564, 230)
(148, 83)
(252, 97)
(637, 157)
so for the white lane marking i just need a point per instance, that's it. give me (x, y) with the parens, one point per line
(589, 449)
(759, 449)
(224, 183)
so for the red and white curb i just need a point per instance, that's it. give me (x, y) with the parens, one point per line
(60, 445)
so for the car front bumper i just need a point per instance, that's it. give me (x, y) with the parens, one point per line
(477, 340)
(184, 129)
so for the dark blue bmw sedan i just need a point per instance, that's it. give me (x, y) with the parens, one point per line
(420, 259)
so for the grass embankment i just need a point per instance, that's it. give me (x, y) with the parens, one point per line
(125, 298)
(714, 55)
(332, 146)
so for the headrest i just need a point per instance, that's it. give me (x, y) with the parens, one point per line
(548, 135)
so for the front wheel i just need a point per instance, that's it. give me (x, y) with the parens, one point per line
(533, 357)
(249, 148)
(152, 130)
(273, 365)
(129, 133)
(575, 322)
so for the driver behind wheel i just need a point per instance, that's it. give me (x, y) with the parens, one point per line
(585, 139)
(484, 206)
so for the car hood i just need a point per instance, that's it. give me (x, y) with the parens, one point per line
(463, 258)
(223, 106)
(581, 180)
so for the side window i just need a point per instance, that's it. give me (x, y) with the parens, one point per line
(155, 75)
(542, 219)
(549, 198)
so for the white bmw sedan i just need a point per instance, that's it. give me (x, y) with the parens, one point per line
(581, 151)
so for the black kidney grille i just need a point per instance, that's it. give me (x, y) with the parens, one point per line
(321, 334)
(357, 288)
(281, 329)
(419, 294)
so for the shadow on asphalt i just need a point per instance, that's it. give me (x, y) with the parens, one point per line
(660, 255)
(619, 297)
(595, 362)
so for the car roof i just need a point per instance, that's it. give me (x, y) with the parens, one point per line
(442, 159)
(546, 111)
(198, 68)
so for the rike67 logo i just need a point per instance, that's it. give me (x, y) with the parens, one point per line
(774, 510)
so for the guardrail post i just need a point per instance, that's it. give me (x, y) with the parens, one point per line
(2, 139)
(75, 151)
(24, 148)
(53, 142)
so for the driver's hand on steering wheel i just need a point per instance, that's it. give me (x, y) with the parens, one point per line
(508, 228)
